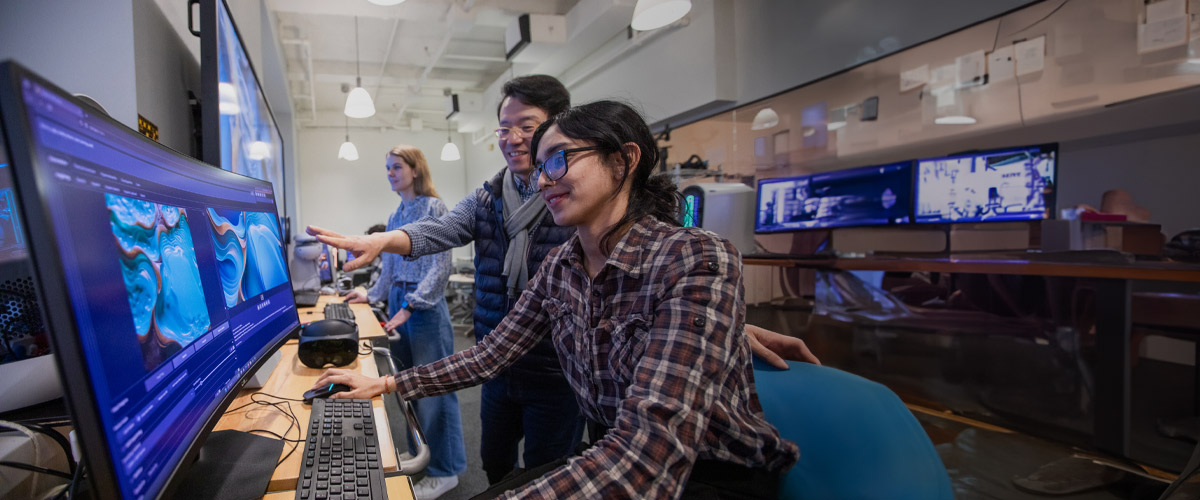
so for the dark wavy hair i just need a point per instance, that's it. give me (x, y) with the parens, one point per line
(609, 125)
(540, 91)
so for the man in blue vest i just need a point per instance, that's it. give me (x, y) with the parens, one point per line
(513, 232)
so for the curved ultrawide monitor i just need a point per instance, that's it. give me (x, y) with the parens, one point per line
(864, 196)
(1013, 184)
(163, 280)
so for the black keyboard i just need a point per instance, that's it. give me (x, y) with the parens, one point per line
(307, 299)
(339, 310)
(341, 456)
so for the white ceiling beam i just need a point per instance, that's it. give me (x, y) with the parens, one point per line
(411, 10)
(465, 57)
(327, 71)
(334, 118)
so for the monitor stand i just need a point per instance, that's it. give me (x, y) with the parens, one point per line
(232, 465)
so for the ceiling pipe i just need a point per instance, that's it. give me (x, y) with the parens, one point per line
(387, 56)
(437, 56)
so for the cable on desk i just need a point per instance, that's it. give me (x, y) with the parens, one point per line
(289, 412)
(80, 472)
(58, 438)
(364, 347)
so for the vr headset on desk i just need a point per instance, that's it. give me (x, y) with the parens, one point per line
(328, 341)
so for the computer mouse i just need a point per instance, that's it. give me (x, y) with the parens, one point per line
(324, 392)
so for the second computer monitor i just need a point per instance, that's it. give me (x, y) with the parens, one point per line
(866, 196)
(1002, 185)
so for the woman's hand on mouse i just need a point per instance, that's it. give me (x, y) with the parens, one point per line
(361, 386)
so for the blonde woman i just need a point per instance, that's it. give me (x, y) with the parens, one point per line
(416, 293)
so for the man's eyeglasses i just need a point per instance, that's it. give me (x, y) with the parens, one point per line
(522, 131)
(555, 167)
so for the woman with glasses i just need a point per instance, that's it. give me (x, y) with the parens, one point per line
(647, 318)
(416, 300)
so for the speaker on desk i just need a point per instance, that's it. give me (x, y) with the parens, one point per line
(328, 341)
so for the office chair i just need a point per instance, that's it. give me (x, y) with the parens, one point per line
(857, 439)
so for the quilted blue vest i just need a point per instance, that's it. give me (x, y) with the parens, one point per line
(491, 289)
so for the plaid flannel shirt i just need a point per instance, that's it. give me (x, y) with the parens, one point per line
(654, 347)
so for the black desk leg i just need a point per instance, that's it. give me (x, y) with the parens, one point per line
(1113, 370)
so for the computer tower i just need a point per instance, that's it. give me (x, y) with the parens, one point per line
(723, 208)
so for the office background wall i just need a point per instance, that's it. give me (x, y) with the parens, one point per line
(349, 197)
(84, 47)
(166, 71)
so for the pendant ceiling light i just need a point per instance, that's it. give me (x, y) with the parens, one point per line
(348, 152)
(952, 109)
(259, 150)
(449, 151)
(227, 95)
(654, 14)
(358, 103)
(386, 3)
(765, 119)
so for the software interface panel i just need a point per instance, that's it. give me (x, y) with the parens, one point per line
(1009, 185)
(864, 196)
(175, 274)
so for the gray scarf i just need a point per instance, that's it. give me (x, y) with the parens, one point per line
(518, 221)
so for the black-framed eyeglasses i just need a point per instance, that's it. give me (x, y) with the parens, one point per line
(555, 167)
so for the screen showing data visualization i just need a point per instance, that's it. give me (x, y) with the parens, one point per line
(1002, 185)
(866, 196)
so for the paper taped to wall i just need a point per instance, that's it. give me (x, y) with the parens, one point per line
(1001, 65)
(914, 78)
(1031, 56)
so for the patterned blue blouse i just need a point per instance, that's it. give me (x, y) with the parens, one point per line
(432, 272)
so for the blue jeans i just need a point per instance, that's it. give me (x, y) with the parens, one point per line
(541, 409)
(427, 337)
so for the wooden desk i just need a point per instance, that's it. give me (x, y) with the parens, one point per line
(290, 379)
(398, 488)
(1113, 288)
(1157, 271)
(368, 324)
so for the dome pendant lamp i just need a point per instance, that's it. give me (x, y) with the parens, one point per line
(348, 152)
(450, 150)
(653, 14)
(358, 103)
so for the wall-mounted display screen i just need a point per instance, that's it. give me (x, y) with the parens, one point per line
(240, 133)
(1001, 185)
(866, 196)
